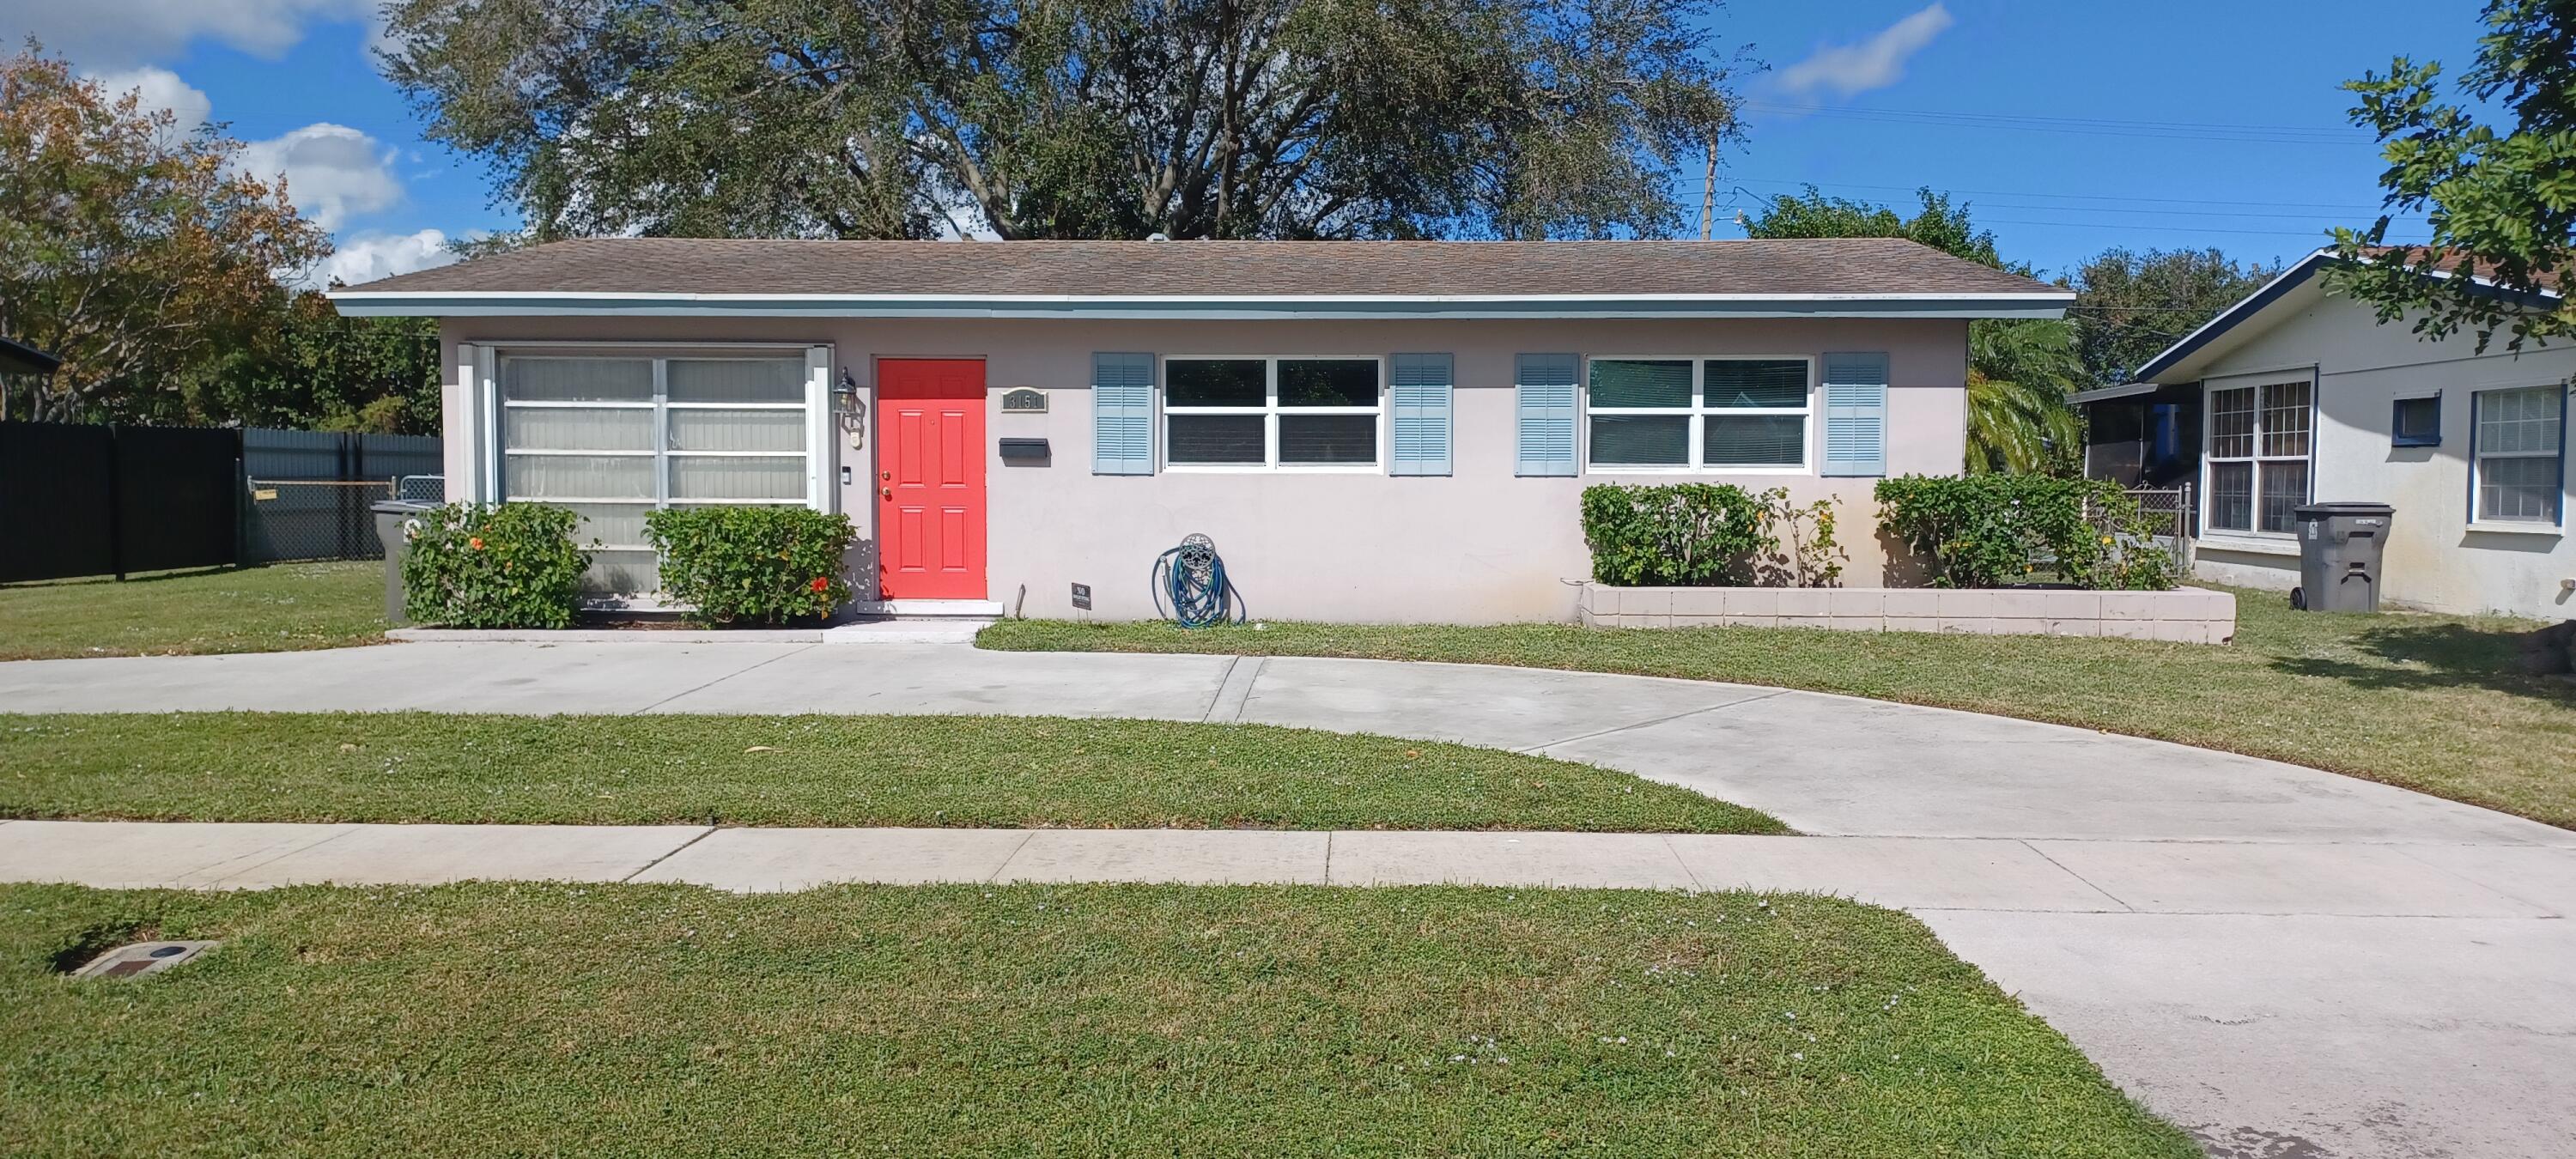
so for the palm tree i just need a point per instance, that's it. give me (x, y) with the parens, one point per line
(2020, 374)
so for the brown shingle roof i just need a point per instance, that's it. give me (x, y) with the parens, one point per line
(1854, 266)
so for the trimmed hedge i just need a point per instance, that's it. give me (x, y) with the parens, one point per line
(513, 565)
(1983, 531)
(1679, 535)
(762, 565)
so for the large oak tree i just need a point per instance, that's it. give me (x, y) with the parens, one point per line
(1073, 118)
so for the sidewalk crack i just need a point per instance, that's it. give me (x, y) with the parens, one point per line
(1025, 837)
(1697, 886)
(1218, 697)
(2116, 899)
(672, 852)
(721, 679)
(1651, 723)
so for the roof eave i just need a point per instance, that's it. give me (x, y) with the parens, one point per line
(512, 303)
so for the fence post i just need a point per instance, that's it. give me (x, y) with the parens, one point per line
(116, 501)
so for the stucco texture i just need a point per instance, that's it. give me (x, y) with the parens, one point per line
(1478, 546)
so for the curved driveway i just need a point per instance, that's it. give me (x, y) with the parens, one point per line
(2286, 962)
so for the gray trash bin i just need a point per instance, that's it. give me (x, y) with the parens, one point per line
(390, 516)
(2339, 552)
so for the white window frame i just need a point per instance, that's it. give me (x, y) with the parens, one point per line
(1270, 412)
(2210, 459)
(1698, 412)
(2478, 456)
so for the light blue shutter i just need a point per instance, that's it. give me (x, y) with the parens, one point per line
(1122, 414)
(1546, 383)
(1420, 397)
(1856, 414)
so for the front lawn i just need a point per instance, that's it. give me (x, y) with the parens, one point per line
(280, 608)
(2433, 703)
(956, 1021)
(808, 770)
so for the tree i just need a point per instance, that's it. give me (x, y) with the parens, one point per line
(130, 250)
(2130, 306)
(2502, 205)
(1073, 118)
(2020, 371)
(322, 371)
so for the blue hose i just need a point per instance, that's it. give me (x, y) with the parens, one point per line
(1192, 576)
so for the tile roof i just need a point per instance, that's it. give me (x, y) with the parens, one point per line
(1235, 269)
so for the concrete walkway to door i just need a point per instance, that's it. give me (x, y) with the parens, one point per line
(2275, 958)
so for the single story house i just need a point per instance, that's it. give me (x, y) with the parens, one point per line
(1370, 431)
(2297, 395)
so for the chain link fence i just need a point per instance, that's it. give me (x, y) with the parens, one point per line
(2170, 518)
(307, 519)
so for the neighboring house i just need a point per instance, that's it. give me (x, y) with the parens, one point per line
(1370, 431)
(19, 359)
(2297, 395)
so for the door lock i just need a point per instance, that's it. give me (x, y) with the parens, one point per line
(888, 476)
(885, 492)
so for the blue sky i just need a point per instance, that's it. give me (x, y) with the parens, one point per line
(2071, 127)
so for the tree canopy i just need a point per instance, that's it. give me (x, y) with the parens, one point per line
(2500, 203)
(153, 266)
(128, 249)
(1936, 223)
(1073, 118)
(2130, 305)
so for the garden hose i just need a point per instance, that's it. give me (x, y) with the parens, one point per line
(1192, 576)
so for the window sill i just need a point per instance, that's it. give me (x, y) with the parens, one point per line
(1281, 469)
(2281, 545)
(1614, 469)
(2548, 530)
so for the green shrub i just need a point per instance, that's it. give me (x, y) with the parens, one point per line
(1681, 535)
(755, 564)
(513, 565)
(1982, 531)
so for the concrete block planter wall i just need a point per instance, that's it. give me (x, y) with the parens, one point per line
(2184, 615)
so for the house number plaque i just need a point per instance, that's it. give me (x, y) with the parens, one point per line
(1024, 400)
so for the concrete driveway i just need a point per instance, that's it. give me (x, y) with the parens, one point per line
(2286, 962)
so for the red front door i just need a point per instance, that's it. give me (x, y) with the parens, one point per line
(930, 479)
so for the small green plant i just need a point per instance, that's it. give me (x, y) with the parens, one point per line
(1982, 531)
(761, 565)
(1682, 535)
(1799, 550)
(511, 565)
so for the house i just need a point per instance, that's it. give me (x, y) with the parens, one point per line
(17, 359)
(2297, 395)
(1387, 431)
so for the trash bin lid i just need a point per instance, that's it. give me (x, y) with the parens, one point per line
(2330, 510)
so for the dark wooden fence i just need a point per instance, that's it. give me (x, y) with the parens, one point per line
(109, 500)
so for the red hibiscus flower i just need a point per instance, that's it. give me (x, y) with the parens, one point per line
(476, 543)
(820, 584)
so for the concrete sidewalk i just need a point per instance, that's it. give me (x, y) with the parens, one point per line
(2284, 961)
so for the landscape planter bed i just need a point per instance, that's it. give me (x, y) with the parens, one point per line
(2184, 615)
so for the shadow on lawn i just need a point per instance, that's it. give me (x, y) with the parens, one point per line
(2452, 656)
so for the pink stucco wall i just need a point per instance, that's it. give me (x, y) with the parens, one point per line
(1480, 545)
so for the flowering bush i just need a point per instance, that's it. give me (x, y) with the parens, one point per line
(513, 565)
(761, 565)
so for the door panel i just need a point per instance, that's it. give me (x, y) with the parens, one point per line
(930, 490)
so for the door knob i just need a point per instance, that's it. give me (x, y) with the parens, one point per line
(886, 492)
(888, 476)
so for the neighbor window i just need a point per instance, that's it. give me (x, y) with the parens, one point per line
(2519, 438)
(2258, 456)
(1271, 412)
(1706, 413)
(615, 437)
(2415, 422)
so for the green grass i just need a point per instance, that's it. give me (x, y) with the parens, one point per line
(808, 770)
(280, 608)
(1095, 1020)
(2433, 703)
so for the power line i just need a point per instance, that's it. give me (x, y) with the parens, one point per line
(2090, 127)
(2327, 205)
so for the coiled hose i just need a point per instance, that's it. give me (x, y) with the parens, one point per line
(1192, 577)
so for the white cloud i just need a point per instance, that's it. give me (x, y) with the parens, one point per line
(160, 88)
(333, 172)
(365, 257)
(1874, 63)
(116, 33)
